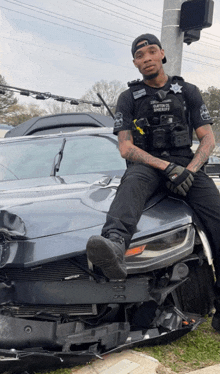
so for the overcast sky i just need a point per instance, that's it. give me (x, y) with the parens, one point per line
(64, 47)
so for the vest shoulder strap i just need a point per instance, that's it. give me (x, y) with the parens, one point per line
(138, 90)
(134, 83)
(177, 77)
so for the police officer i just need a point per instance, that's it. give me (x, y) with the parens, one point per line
(154, 122)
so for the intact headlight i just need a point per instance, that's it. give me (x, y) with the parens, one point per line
(159, 244)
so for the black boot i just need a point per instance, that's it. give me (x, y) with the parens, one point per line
(108, 255)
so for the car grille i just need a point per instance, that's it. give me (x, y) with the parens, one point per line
(72, 268)
(52, 310)
(50, 272)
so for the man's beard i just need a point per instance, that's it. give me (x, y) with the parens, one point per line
(150, 76)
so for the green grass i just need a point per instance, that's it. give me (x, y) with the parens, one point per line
(62, 371)
(195, 350)
(59, 371)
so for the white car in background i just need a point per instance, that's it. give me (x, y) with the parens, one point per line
(4, 129)
(214, 160)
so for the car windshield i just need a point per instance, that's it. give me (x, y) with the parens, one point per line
(82, 155)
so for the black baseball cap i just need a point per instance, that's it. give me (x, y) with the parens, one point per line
(148, 39)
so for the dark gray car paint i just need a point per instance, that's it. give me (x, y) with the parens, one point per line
(59, 123)
(59, 218)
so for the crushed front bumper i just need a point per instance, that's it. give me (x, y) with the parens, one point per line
(83, 346)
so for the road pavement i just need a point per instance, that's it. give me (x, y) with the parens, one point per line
(132, 362)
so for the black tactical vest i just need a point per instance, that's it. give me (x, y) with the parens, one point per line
(160, 122)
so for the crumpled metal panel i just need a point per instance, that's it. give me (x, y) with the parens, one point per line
(18, 361)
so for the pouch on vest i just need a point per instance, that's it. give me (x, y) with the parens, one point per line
(165, 123)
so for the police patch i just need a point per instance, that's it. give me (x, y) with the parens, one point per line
(161, 107)
(118, 121)
(139, 93)
(204, 113)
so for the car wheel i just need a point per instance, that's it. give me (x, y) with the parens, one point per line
(196, 295)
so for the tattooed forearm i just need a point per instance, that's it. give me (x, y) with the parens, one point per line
(136, 154)
(125, 136)
(132, 153)
(207, 144)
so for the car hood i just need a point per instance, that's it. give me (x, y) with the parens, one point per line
(40, 207)
(49, 206)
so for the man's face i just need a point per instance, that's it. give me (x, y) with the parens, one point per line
(148, 60)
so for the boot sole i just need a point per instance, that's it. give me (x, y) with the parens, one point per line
(104, 257)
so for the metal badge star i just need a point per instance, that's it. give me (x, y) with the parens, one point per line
(176, 88)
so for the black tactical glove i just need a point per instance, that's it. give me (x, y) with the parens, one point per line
(180, 179)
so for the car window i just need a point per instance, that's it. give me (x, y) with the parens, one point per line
(35, 158)
(214, 160)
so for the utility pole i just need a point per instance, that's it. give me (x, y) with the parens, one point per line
(171, 36)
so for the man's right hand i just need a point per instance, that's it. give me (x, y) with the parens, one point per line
(180, 179)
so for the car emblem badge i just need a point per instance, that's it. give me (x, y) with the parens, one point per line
(176, 88)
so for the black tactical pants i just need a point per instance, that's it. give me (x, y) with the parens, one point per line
(140, 182)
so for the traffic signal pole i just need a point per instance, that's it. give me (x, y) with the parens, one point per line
(172, 37)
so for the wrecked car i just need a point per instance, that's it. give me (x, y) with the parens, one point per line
(55, 191)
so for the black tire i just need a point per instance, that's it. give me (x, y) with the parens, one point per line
(196, 294)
